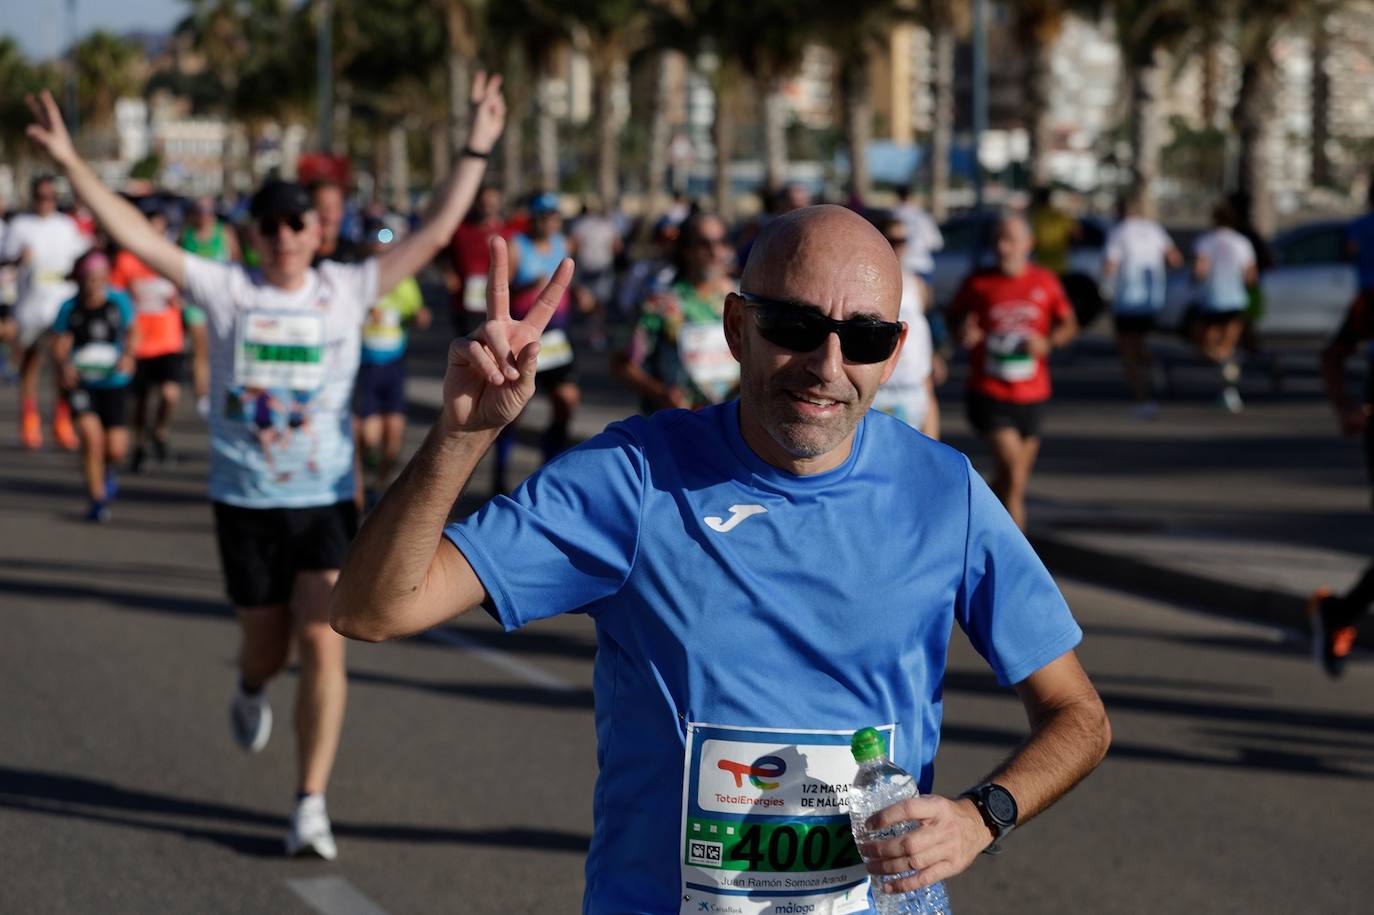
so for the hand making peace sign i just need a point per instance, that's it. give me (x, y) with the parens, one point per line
(490, 374)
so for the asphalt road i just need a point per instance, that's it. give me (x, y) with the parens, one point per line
(1239, 780)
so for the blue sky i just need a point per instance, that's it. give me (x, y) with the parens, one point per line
(45, 34)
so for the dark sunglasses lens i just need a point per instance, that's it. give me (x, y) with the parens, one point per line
(271, 226)
(790, 328)
(870, 343)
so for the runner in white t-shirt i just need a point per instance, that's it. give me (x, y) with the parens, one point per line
(45, 245)
(1225, 268)
(284, 352)
(1139, 253)
(909, 394)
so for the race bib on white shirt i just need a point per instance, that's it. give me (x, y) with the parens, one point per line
(475, 293)
(706, 356)
(765, 822)
(280, 350)
(555, 351)
(96, 361)
(1005, 357)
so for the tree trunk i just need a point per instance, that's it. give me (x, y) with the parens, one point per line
(858, 120)
(398, 158)
(723, 137)
(513, 149)
(942, 134)
(343, 110)
(1321, 101)
(660, 131)
(440, 154)
(605, 69)
(1038, 126)
(1143, 79)
(546, 135)
(1252, 117)
(1211, 83)
(774, 133)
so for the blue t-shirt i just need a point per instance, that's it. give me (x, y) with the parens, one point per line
(1361, 232)
(100, 337)
(748, 621)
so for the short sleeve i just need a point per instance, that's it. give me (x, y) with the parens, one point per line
(1114, 252)
(1008, 604)
(1247, 253)
(64, 316)
(356, 282)
(125, 306)
(566, 538)
(209, 284)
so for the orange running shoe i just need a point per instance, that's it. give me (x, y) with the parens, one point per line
(30, 430)
(1332, 638)
(62, 428)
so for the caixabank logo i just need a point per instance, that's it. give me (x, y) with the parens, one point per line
(762, 772)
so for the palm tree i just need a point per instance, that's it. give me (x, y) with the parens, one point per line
(947, 20)
(108, 68)
(1144, 28)
(534, 37)
(18, 78)
(1038, 24)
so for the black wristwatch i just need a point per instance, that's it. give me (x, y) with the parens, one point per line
(998, 808)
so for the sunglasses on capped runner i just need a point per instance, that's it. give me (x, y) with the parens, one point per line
(270, 225)
(802, 330)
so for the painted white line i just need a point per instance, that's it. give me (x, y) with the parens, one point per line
(500, 660)
(333, 896)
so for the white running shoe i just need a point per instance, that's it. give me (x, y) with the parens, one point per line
(1230, 399)
(251, 719)
(310, 830)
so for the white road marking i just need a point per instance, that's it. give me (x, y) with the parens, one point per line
(500, 659)
(333, 896)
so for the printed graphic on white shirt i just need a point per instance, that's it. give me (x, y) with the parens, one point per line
(765, 825)
(705, 354)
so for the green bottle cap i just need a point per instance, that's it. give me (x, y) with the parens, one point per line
(868, 744)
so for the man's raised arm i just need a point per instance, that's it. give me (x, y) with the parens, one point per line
(455, 196)
(120, 218)
(399, 577)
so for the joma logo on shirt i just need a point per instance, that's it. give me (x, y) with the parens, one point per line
(737, 514)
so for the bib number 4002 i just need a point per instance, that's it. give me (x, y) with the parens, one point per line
(795, 847)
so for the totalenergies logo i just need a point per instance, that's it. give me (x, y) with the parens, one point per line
(765, 767)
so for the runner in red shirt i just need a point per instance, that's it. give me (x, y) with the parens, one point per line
(1010, 318)
(161, 340)
(470, 257)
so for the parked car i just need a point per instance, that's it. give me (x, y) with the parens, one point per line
(966, 233)
(1306, 291)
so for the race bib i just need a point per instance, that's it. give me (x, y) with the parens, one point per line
(555, 351)
(475, 293)
(1005, 357)
(96, 361)
(765, 822)
(706, 356)
(280, 350)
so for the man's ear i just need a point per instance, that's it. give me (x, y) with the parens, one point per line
(896, 354)
(734, 324)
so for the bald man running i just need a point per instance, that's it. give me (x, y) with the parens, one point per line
(766, 576)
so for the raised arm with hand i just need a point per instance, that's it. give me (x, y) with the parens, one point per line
(400, 577)
(455, 196)
(120, 218)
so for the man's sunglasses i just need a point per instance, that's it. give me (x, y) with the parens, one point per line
(803, 330)
(269, 226)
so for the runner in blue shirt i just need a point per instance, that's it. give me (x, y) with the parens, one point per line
(766, 576)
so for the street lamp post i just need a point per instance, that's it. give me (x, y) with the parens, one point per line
(980, 95)
(73, 116)
(324, 74)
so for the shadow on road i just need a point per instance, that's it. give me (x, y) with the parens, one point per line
(142, 600)
(73, 796)
(539, 696)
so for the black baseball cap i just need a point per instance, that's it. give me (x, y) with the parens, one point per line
(280, 198)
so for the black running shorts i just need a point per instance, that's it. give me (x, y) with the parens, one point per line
(262, 549)
(157, 371)
(986, 414)
(107, 404)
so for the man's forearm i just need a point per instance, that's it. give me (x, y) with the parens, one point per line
(124, 223)
(1065, 745)
(385, 579)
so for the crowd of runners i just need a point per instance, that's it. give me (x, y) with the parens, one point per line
(289, 316)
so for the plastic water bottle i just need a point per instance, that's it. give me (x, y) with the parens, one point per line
(881, 783)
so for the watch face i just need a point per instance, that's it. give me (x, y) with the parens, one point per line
(1000, 804)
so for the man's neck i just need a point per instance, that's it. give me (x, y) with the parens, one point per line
(284, 281)
(770, 452)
